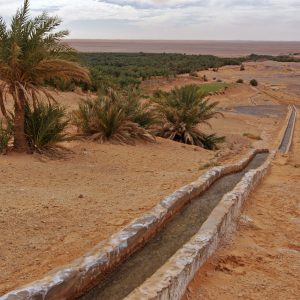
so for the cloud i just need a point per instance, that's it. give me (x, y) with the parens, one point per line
(172, 19)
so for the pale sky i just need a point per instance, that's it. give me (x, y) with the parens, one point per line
(172, 19)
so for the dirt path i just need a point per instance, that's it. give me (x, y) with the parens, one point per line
(263, 259)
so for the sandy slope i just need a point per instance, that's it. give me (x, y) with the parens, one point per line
(263, 259)
(52, 211)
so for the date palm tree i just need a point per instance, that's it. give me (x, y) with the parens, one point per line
(31, 53)
(181, 111)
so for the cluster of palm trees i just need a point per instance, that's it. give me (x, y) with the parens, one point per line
(31, 53)
(125, 117)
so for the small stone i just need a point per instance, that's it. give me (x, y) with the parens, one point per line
(244, 219)
(248, 222)
(80, 196)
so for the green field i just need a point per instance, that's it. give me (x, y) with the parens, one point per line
(212, 87)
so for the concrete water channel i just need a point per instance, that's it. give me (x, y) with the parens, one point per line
(288, 132)
(144, 262)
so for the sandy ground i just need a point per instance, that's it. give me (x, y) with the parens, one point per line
(262, 261)
(278, 82)
(53, 211)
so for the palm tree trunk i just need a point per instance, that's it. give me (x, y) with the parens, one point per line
(20, 142)
(2, 106)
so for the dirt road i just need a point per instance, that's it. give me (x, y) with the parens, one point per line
(262, 261)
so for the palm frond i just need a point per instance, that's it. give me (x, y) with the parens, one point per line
(181, 112)
(5, 134)
(45, 126)
(106, 119)
(31, 52)
(58, 68)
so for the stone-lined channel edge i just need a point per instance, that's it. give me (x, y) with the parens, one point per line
(170, 281)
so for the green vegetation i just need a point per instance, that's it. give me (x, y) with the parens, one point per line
(210, 88)
(30, 55)
(110, 118)
(181, 111)
(119, 70)
(253, 82)
(45, 126)
(137, 109)
(126, 117)
(211, 141)
(280, 58)
(5, 135)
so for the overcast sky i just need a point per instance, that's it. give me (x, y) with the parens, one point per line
(172, 19)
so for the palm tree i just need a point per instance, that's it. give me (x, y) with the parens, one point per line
(181, 112)
(114, 118)
(30, 54)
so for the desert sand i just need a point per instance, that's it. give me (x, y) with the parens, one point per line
(54, 210)
(218, 48)
(262, 261)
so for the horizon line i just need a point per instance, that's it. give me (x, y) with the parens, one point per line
(184, 40)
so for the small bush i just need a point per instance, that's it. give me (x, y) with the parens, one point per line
(242, 68)
(108, 118)
(45, 126)
(253, 82)
(136, 110)
(240, 81)
(5, 135)
(181, 111)
(211, 141)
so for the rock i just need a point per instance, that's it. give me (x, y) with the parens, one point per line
(80, 196)
(244, 219)
(248, 222)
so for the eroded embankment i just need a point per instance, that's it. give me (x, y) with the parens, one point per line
(142, 264)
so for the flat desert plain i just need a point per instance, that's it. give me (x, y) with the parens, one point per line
(218, 48)
(54, 210)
